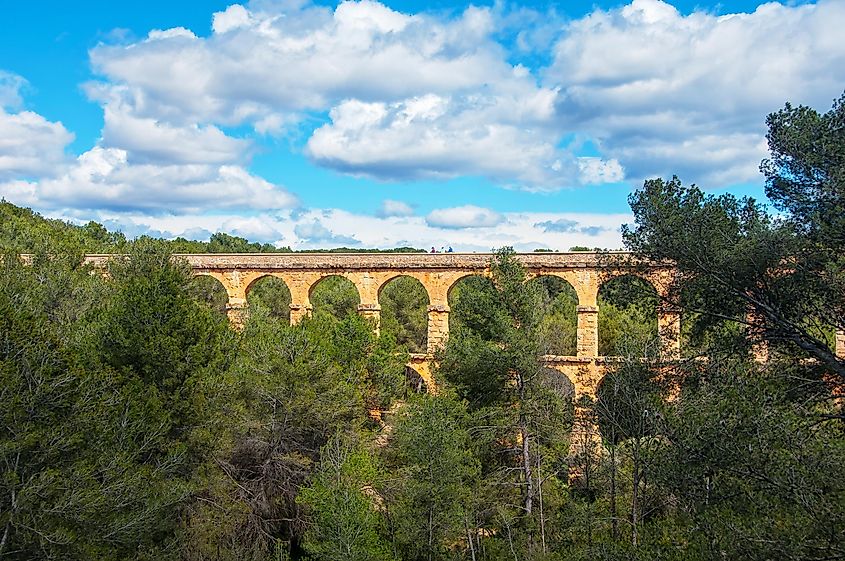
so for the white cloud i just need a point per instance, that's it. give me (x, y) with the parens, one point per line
(394, 208)
(429, 96)
(103, 178)
(410, 96)
(10, 90)
(259, 227)
(139, 164)
(595, 171)
(467, 216)
(30, 145)
(151, 141)
(293, 58)
(315, 234)
(664, 93)
(567, 225)
(500, 137)
(233, 17)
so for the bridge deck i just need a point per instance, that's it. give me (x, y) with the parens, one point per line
(390, 261)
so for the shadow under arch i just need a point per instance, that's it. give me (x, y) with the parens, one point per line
(335, 296)
(404, 303)
(558, 383)
(627, 306)
(558, 303)
(210, 291)
(624, 399)
(414, 380)
(271, 292)
(472, 301)
(700, 332)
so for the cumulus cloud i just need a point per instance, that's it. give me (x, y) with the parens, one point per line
(30, 145)
(423, 95)
(315, 234)
(150, 141)
(440, 137)
(663, 92)
(10, 88)
(103, 178)
(139, 164)
(565, 225)
(394, 208)
(410, 96)
(467, 216)
(559, 225)
(261, 227)
(300, 56)
(595, 171)
(399, 96)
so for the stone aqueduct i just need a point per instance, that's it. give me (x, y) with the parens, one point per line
(438, 273)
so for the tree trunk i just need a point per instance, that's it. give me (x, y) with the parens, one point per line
(635, 492)
(528, 498)
(430, 533)
(14, 507)
(526, 466)
(4, 538)
(469, 539)
(614, 519)
(540, 498)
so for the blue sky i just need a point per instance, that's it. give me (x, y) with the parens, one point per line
(378, 124)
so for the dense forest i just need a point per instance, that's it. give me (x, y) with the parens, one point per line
(136, 424)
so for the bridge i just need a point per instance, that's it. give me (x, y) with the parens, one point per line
(438, 273)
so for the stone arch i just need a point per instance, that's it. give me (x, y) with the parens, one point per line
(609, 275)
(415, 380)
(453, 292)
(209, 289)
(461, 276)
(694, 341)
(339, 303)
(393, 276)
(258, 277)
(234, 282)
(618, 410)
(317, 280)
(560, 381)
(404, 311)
(273, 291)
(556, 380)
(631, 317)
(600, 406)
(214, 275)
(420, 365)
(559, 308)
(584, 281)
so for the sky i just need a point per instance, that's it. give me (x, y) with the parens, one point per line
(370, 124)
